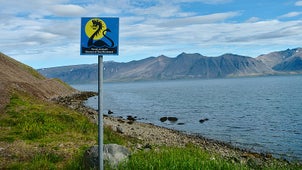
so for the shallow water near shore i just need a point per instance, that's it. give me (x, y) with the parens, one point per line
(263, 114)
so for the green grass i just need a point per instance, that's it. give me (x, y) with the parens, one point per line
(45, 134)
(175, 158)
(39, 161)
(192, 158)
(29, 120)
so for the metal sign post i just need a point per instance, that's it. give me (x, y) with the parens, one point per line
(99, 36)
(100, 108)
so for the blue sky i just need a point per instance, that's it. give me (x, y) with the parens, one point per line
(47, 33)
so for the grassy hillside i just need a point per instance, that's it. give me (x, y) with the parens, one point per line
(35, 134)
(16, 76)
(12, 62)
(40, 135)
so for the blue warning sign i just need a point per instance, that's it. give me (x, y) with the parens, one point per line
(99, 36)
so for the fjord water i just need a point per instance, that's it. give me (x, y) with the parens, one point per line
(263, 114)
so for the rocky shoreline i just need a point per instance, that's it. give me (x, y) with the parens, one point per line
(152, 136)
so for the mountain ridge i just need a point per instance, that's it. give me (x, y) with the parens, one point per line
(287, 60)
(185, 65)
(18, 77)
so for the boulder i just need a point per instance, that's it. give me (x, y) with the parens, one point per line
(131, 118)
(110, 112)
(113, 153)
(90, 159)
(172, 119)
(203, 120)
(163, 119)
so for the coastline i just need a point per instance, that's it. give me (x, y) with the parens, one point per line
(156, 136)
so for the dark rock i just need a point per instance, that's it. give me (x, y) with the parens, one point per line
(172, 119)
(110, 112)
(113, 153)
(268, 155)
(203, 120)
(131, 118)
(90, 159)
(163, 119)
(148, 146)
(180, 123)
(130, 122)
(121, 120)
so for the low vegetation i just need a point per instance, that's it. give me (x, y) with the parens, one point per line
(35, 134)
(190, 157)
(41, 135)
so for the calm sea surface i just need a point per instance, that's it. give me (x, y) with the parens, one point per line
(263, 114)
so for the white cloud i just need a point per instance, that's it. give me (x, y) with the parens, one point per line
(35, 7)
(203, 19)
(253, 19)
(298, 3)
(261, 32)
(161, 11)
(291, 14)
(48, 31)
(216, 1)
(102, 8)
(152, 2)
(67, 10)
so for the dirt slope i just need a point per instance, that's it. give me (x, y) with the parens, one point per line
(15, 76)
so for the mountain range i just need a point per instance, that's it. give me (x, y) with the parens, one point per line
(183, 66)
